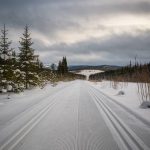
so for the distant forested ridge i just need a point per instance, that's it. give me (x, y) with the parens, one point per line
(130, 73)
(88, 67)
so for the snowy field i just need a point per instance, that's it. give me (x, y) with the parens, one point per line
(77, 115)
(87, 73)
(129, 99)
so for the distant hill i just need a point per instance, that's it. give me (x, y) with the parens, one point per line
(100, 67)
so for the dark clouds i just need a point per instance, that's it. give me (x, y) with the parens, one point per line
(118, 48)
(70, 27)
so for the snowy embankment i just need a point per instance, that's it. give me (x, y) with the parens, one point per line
(14, 104)
(28, 94)
(125, 94)
(87, 73)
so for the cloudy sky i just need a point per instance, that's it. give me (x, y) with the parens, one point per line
(86, 31)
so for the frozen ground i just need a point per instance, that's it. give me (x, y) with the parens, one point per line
(71, 116)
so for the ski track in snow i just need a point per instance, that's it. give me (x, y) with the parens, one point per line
(129, 140)
(75, 117)
(10, 115)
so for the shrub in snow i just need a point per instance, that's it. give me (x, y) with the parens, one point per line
(114, 84)
(30, 81)
(54, 84)
(9, 88)
(18, 89)
(145, 105)
(121, 93)
(1, 71)
(17, 70)
(4, 81)
(144, 91)
(4, 90)
(8, 96)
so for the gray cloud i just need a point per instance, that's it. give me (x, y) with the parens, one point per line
(118, 48)
(59, 14)
(50, 17)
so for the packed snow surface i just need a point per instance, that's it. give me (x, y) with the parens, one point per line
(130, 97)
(77, 115)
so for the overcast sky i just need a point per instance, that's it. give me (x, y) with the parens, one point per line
(92, 32)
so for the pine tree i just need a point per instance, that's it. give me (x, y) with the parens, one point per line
(59, 69)
(65, 65)
(6, 68)
(28, 61)
(62, 66)
(53, 67)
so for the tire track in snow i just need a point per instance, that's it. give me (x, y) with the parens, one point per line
(128, 138)
(93, 131)
(59, 126)
(77, 121)
(21, 133)
(73, 140)
(67, 142)
(144, 121)
(70, 141)
(138, 124)
(11, 143)
(94, 142)
(20, 115)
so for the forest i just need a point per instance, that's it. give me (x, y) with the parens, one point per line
(23, 70)
(137, 73)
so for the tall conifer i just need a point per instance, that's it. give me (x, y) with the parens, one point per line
(6, 68)
(28, 61)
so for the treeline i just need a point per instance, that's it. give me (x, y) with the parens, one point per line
(100, 67)
(138, 73)
(22, 69)
(62, 67)
(131, 73)
(64, 74)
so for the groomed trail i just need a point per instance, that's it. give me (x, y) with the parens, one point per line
(73, 116)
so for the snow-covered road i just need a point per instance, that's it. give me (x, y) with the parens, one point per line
(71, 116)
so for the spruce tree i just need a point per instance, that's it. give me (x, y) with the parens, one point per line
(62, 66)
(65, 65)
(53, 66)
(18, 77)
(28, 61)
(6, 68)
(59, 69)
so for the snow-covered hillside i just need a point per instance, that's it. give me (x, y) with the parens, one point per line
(87, 73)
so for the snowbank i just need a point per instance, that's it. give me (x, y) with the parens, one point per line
(30, 94)
(145, 105)
(130, 98)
